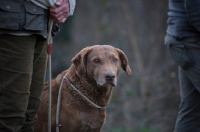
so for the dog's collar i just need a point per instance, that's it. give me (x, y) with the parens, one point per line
(59, 97)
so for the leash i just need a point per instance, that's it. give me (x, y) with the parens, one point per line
(58, 125)
(79, 92)
(58, 105)
(49, 51)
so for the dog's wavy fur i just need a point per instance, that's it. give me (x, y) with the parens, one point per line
(88, 72)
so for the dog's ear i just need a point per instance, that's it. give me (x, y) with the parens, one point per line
(80, 61)
(124, 62)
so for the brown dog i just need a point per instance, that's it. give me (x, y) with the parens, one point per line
(94, 73)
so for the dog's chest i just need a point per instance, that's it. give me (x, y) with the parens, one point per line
(92, 120)
(82, 119)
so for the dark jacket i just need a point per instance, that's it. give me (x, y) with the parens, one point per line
(21, 16)
(184, 18)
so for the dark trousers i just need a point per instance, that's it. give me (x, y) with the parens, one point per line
(186, 53)
(22, 71)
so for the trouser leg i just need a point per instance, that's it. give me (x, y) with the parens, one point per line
(37, 84)
(16, 64)
(189, 111)
(186, 53)
(188, 119)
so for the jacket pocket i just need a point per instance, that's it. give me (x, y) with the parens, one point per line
(35, 17)
(9, 14)
(182, 56)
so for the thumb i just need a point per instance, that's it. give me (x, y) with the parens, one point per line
(59, 2)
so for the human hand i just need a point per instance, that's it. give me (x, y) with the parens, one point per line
(61, 12)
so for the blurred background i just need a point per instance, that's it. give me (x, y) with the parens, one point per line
(146, 101)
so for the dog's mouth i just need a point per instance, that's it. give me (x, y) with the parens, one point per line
(106, 85)
(103, 83)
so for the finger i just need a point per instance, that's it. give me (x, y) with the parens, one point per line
(57, 16)
(63, 20)
(60, 18)
(60, 9)
(59, 2)
(60, 15)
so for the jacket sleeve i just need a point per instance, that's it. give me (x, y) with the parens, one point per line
(193, 12)
(72, 4)
(45, 4)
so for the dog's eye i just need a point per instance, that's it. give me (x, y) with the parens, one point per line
(96, 60)
(115, 59)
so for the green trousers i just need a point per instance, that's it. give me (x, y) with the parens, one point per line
(22, 72)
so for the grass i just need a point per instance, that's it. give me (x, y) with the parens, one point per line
(142, 129)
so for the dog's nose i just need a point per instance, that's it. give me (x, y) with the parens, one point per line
(109, 76)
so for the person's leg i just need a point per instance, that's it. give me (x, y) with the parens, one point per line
(188, 119)
(16, 64)
(37, 84)
(186, 53)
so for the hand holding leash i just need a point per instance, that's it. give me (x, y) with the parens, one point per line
(61, 12)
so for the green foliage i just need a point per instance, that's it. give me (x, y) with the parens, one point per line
(105, 28)
(104, 4)
(145, 129)
(130, 94)
(142, 129)
(117, 130)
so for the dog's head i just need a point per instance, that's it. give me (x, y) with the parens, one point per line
(101, 64)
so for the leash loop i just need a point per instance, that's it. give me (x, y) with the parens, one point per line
(59, 98)
(58, 105)
(79, 92)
